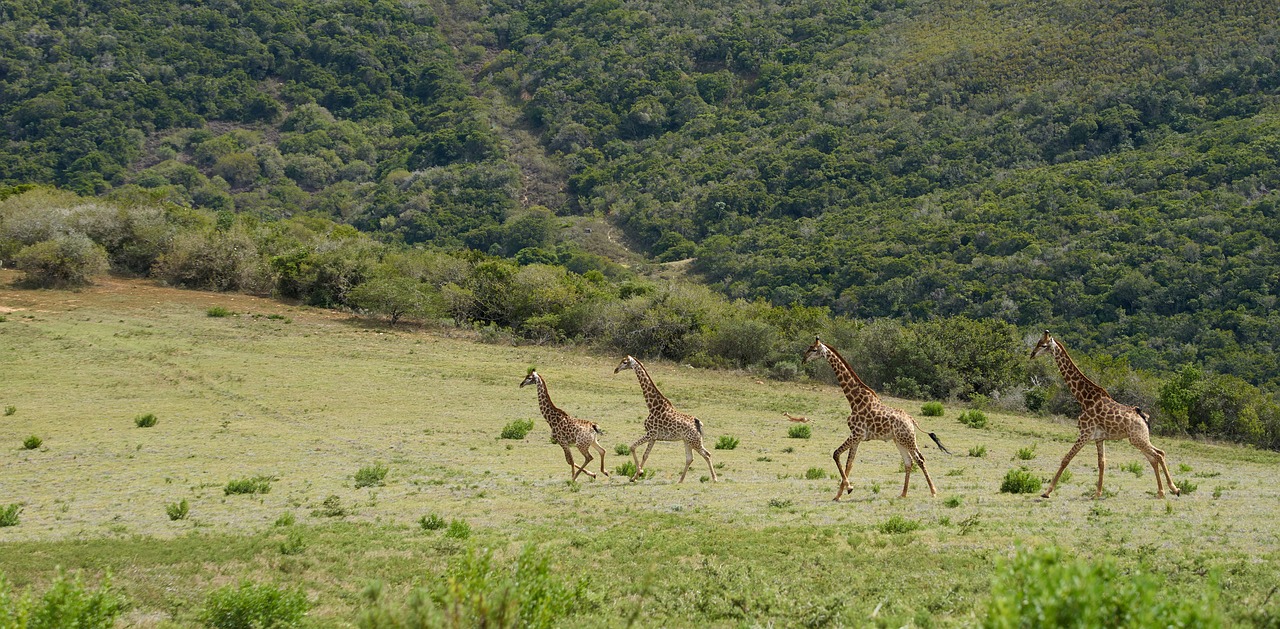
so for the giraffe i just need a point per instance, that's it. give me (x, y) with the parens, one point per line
(870, 420)
(665, 423)
(1102, 419)
(567, 430)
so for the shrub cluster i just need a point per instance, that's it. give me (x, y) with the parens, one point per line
(1020, 481)
(253, 485)
(800, 431)
(973, 418)
(371, 475)
(725, 443)
(931, 409)
(517, 429)
(67, 603)
(249, 604)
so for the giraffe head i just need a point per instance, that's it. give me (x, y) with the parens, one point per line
(1046, 342)
(817, 349)
(531, 378)
(627, 363)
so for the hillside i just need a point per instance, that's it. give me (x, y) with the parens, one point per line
(308, 397)
(1106, 169)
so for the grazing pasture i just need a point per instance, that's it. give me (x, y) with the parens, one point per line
(376, 455)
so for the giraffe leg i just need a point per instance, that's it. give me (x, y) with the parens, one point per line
(907, 463)
(574, 469)
(1165, 466)
(933, 491)
(851, 445)
(1155, 457)
(601, 449)
(1071, 454)
(707, 455)
(639, 465)
(644, 459)
(688, 460)
(1102, 466)
(586, 453)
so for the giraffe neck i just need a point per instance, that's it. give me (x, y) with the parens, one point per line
(652, 396)
(1086, 392)
(549, 411)
(855, 390)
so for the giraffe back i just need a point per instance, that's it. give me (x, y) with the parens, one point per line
(673, 425)
(878, 422)
(1109, 420)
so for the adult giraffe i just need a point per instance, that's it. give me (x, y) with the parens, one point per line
(665, 423)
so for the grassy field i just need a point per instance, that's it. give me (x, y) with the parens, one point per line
(308, 397)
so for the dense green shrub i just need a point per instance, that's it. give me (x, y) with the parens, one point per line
(217, 312)
(724, 443)
(1025, 454)
(978, 451)
(249, 605)
(517, 429)
(815, 473)
(973, 418)
(177, 510)
(67, 603)
(371, 475)
(32, 442)
(898, 524)
(253, 485)
(931, 409)
(800, 431)
(9, 515)
(431, 522)
(66, 260)
(1046, 587)
(146, 420)
(1020, 481)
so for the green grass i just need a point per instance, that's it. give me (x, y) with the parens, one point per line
(251, 485)
(217, 312)
(357, 394)
(145, 421)
(371, 475)
(9, 515)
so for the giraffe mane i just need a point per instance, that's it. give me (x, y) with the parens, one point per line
(855, 375)
(1081, 371)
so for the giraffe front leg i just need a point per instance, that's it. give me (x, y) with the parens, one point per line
(1071, 454)
(573, 469)
(635, 458)
(850, 444)
(1102, 466)
(1155, 457)
(907, 464)
(644, 459)
(1165, 466)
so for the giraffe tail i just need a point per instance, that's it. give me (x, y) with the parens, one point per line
(940, 446)
(596, 427)
(697, 423)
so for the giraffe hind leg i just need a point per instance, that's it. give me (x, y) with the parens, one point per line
(933, 491)
(568, 456)
(688, 460)
(851, 445)
(1102, 466)
(907, 464)
(601, 449)
(644, 459)
(707, 455)
(586, 453)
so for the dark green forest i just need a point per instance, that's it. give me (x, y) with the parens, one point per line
(1108, 170)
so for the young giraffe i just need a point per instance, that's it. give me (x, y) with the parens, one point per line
(870, 420)
(567, 430)
(665, 423)
(1102, 419)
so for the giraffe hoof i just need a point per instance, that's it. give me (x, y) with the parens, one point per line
(1177, 492)
(1044, 495)
(1160, 495)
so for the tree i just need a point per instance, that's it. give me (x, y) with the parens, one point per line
(396, 297)
(65, 261)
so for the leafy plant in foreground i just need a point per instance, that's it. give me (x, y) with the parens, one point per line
(249, 605)
(67, 603)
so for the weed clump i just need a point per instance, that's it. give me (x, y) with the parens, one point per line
(9, 515)
(1133, 467)
(371, 475)
(779, 503)
(726, 443)
(622, 449)
(973, 418)
(1020, 481)
(898, 524)
(253, 605)
(1185, 486)
(177, 510)
(32, 442)
(952, 502)
(931, 409)
(815, 473)
(67, 603)
(1047, 588)
(218, 312)
(978, 451)
(458, 529)
(800, 431)
(145, 421)
(517, 429)
(293, 544)
(10, 410)
(431, 522)
(285, 520)
(330, 508)
(1026, 454)
(254, 485)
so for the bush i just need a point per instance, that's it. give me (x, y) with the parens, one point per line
(1026, 454)
(396, 297)
(9, 515)
(978, 451)
(815, 473)
(898, 524)
(458, 529)
(370, 475)
(931, 409)
(32, 442)
(726, 443)
(952, 502)
(973, 418)
(294, 543)
(1133, 467)
(331, 507)
(177, 510)
(65, 261)
(145, 421)
(431, 522)
(253, 606)
(254, 485)
(10, 410)
(218, 312)
(1020, 481)
(517, 429)
(800, 431)
(65, 604)
(478, 592)
(1046, 588)
(622, 449)
(1185, 487)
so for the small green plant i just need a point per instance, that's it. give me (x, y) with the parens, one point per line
(253, 485)
(800, 431)
(1217, 491)
(955, 471)
(458, 529)
(67, 603)
(1183, 468)
(517, 429)
(815, 473)
(177, 510)
(218, 311)
(32, 442)
(898, 524)
(875, 488)
(973, 418)
(1133, 467)
(931, 409)
(1185, 486)
(978, 451)
(330, 508)
(145, 421)
(294, 543)
(622, 449)
(431, 522)
(285, 520)
(788, 450)
(628, 470)
(1026, 454)
(952, 502)
(10, 410)
(9, 515)
(779, 503)
(1066, 477)
(251, 605)
(764, 459)
(726, 443)
(1020, 481)
(371, 475)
